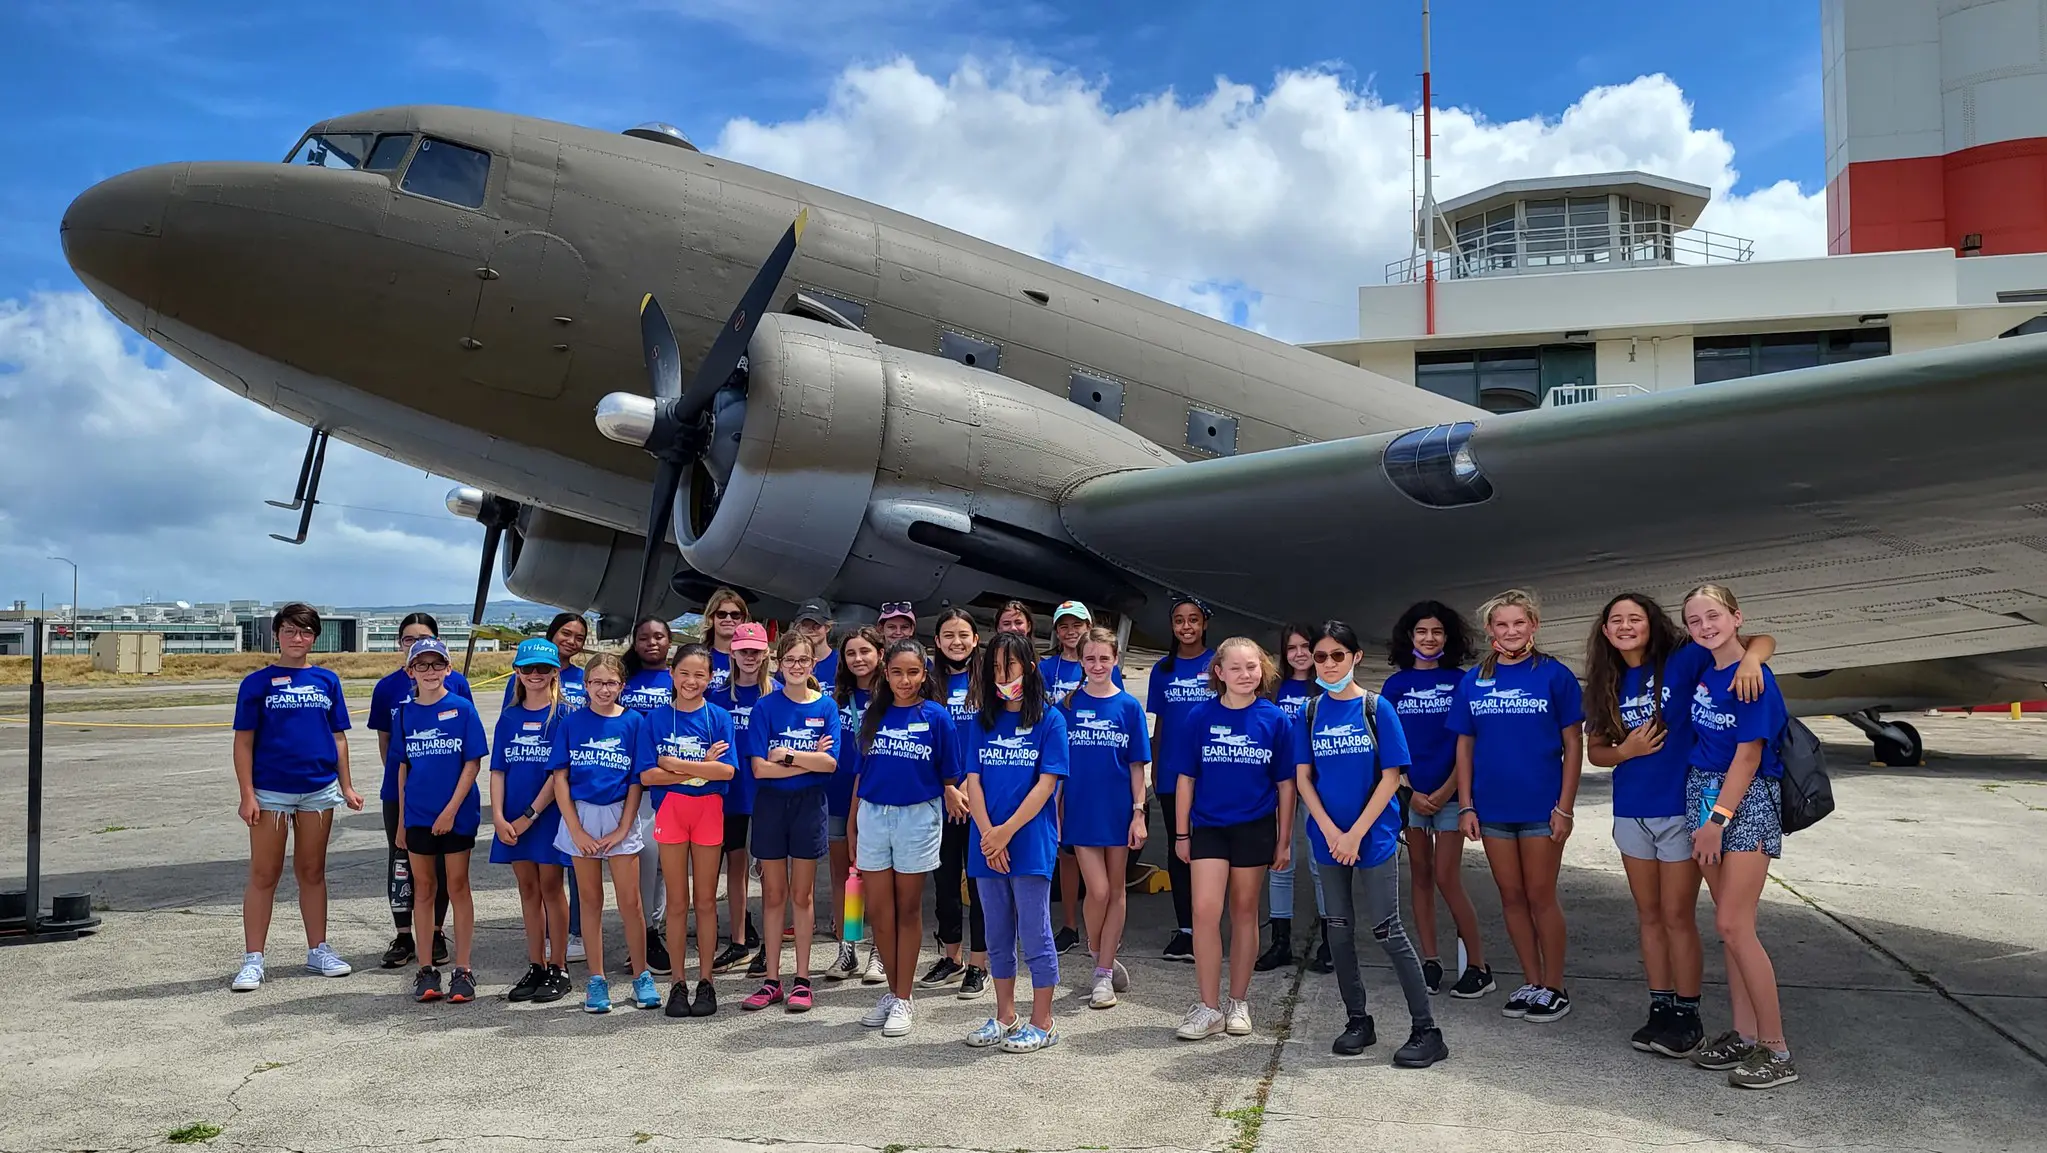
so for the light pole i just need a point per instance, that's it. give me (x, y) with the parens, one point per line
(74, 601)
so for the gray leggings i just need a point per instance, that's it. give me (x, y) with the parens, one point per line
(1381, 883)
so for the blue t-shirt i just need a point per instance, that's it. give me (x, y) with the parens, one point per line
(1422, 698)
(1516, 719)
(600, 753)
(522, 751)
(1104, 737)
(572, 694)
(838, 791)
(294, 714)
(1722, 723)
(913, 756)
(1009, 759)
(779, 722)
(393, 690)
(434, 742)
(1346, 771)
(739, 702)
(1238, 757)
(670, 732)
(647, 690)
(1654, 786)
(1293, 697)
(721, 673)
(1177, 686)
(963, 715)
(827, 670)
(1062, 676)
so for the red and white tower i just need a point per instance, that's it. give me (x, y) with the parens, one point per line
(1936, 116)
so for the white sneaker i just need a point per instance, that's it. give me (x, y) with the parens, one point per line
(249, 977)
(1237, 1017)
(1121, 976)
(898, 1024)
(846, 964)
(873, 974)
(1104, 996)
(322, 959)
(576, 952)
(876, 1017)
(1201, 1022)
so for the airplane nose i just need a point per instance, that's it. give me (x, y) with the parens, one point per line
(112, 236)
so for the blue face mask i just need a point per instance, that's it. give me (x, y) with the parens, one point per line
(1337, 686)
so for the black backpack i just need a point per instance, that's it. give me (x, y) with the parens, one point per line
(1371, 724)
(1808, 795)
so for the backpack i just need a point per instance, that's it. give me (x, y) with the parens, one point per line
(1808, 795)
(1371, 721)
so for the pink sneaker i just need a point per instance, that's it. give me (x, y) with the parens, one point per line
(799, 996)
(769, 993)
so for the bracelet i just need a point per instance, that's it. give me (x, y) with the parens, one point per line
(1724, 811)
(1572, 817)
(1180, 837)
(1466, 809)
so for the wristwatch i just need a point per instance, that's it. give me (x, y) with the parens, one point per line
(1717, 818)
(788, 759)
(529, 814)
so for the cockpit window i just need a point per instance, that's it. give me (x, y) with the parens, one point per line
(389, 152)
(363, 150)
(449, 172)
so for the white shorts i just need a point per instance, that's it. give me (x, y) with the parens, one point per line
(597, 820)
(900, 837)
(1653, 838)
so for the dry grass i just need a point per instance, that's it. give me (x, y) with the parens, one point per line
(224, 667)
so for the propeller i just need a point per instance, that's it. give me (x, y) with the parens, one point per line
(674, 424)
(495, 514)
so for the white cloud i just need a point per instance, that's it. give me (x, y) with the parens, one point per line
(153, 478)
(1266, 206)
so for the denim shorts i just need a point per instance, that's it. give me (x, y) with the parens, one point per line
(317, 801)
(1513, 830)
(900, 837)
(1443, 820)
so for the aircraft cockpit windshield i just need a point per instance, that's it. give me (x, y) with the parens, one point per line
(367, 151)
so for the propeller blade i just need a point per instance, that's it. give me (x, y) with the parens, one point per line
(731, 343)
(667, 480)
(491, 535)
(659, 350)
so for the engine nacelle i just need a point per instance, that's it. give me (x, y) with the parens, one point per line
(573, 564)
(854, 455)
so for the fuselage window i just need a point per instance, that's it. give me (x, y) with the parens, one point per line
(1211, 432)
(1098, 393)
(448, 172)
(332, 150)
(389, 152)
(971, 351)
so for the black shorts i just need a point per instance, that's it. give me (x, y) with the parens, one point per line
(735, 831)
(1250, 845)
(428, 843)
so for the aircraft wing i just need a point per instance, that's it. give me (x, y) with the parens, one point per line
(1886, 510)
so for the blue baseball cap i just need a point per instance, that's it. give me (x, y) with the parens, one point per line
(537, 651)
(425, 646)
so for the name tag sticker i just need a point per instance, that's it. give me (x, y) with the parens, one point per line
(448, 715)
(814, 722)
(276, 682)
(920, 726)
(533, 726)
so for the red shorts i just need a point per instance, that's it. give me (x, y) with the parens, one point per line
(683, 819)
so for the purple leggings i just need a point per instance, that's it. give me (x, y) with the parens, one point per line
(1019, 907)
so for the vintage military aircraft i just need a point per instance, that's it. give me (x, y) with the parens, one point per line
(842, 401)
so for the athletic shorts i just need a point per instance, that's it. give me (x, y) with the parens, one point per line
(317, 801)
(599, 820)
(1653, 838)
(835, 827)
(790, 824)
(1250, 845)
(900, 837)
(428, 843)
(1443, 820)
(1513, 830)
(1758, 824)
(690, 819)
(736, 826)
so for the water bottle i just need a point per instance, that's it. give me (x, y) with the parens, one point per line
(401, 885)
(1708, 797)
(855, 920)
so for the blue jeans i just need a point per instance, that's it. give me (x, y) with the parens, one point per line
(1019, 907)
(1280, 887)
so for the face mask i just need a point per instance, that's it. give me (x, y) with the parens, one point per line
(1514, 654)
(1010, 690)
(1427, 654)
(1336, 686)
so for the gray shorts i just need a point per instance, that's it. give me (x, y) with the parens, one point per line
(1443, 820)
(1653, 838)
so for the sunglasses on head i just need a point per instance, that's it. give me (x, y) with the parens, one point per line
(896, 608)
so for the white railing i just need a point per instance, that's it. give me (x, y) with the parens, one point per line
(1575, 248)
(1564, 394)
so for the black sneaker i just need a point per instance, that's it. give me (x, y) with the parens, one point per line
(1519, 1000)
(1432, 975)
(1477, 981)
(758, 967)
(1548, 1005)
(1424, 1048)
(426, 984)
(657, 952)
(1357, 1036)
(440, 947)
(730, 956)
(678, 1001)
(528, 984)
(461, 987)
(1682, 1036)
(1281, 951)
(1180, 948)
(399, 953)
(554, 986)
(753, 935)
(973, 983)
(943, 971)
(706, 1002)
(1659, 1020)
(1065, 940)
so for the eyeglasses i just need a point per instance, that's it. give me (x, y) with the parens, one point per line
(594, 683)
(412, 638)
(792, 660)
(728, 615)
(897, 609)
(430, 666)
(1329, 657)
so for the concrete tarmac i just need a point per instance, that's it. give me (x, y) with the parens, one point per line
(1908, 933)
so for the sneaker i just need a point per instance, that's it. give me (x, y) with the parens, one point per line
(876, 1017)
(1200, 1023)
(1104, 994)
(461, 987)
(757, 969)
(993, 1032)
(576, 951)
(770, 993)
(1682, 1035)
(1280, 952)
(441, 953)
(399, 952)
(1726, 1051)
(845, 964)
(1120, 975)
(657, 952)
(1477, 981)
(1180, 948)
(249, 977)
(1028, 1038)
(1519, 1001)
(1236, 1017)
(1763, 1069)
(529, 984)
(1358, 1035)
(973, 983)
(800, 998)
(322, 959)
(678, 1000)
(426, 984)
(1432, 975)
(553, 987)
(1659, 1020)
(646, 994)
(597, 994)
(728, 957)
(898, 1023)
(1424, 1048)
(706, 1003)
(1548, 1005)
(1066, 940)
(753, 933)
(874, 973)
(944, 971)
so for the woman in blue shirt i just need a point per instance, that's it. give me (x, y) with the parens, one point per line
(1178, 684)
(390, 692)
(1348, 753)
(1234, 761)
(856, 678)
(649, 686)
(1520, 736)
(1734, 806)
(960, 919)
(1296, 689)
(525, 819)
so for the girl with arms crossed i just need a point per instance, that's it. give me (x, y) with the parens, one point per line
(790, 739)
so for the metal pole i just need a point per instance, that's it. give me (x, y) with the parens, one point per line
(1428, 184)
(74, 601)
(35, 778)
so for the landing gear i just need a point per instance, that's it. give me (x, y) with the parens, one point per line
(1896, 743)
